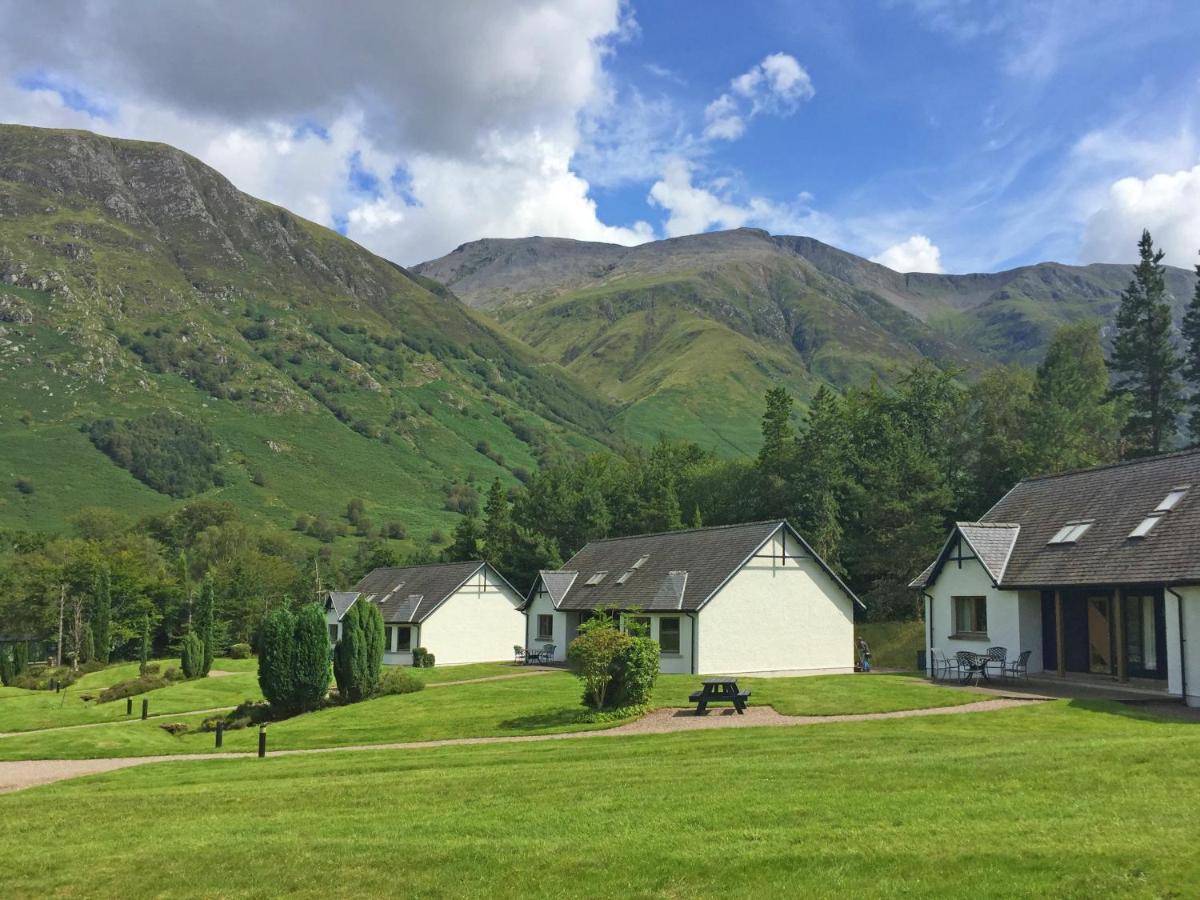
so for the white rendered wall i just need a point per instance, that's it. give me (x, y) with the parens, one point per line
(1014, 620)
(1190, 670)
(775, 615)
(542, 606)
(479, 623)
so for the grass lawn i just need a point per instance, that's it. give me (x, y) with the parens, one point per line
(894, 645)
(538, 704)
(22, 710)
(1056, 800)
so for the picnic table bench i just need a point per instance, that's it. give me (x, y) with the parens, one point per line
(719, 690)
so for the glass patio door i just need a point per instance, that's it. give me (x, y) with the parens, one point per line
(1099, 631)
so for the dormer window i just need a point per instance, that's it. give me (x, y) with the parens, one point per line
(1071, 532)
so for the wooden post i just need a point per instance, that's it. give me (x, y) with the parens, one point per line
(1059, 641)
(129, 706)
(262, 741)
(220, 733)
(1119, 615)
(145, 709)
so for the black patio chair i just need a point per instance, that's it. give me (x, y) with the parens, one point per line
(970, 665)
(999, 656)
(1020, 665)
(547, 654)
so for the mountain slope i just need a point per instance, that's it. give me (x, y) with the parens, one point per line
(134, 279)
(689, 332)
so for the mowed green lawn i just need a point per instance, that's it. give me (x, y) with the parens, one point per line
(531, 705)
(1051, 800)
(22, 710)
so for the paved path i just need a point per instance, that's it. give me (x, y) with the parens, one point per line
(15, 776)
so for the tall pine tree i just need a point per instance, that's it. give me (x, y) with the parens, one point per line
(1144, 360)
(102, 616)
(1191, 370)
(497, 526)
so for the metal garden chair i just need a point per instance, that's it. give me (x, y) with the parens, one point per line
(1020, 665)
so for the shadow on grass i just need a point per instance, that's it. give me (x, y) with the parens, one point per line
(559, 718)
(1159, 711)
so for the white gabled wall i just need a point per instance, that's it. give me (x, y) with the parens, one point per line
(480, 622)
(542, 605)
(775, 615)
(1014, 620)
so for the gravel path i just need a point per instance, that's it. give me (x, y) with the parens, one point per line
(15, 776)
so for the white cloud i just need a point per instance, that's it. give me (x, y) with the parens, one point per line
(484, 138)
(1168, 204)
(916, 254)
(776, 85)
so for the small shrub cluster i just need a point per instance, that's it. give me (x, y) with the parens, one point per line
(240, 651)
(174, 728)
(132, 687)
(422, 658)
(399, 681)
(618, 670)
(248, 712)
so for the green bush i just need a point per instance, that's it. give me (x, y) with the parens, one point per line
(131, 688)
(7, 673)
(173, 674)
(399, 681)
(191, 655)
(592, 657)
(635, 670)
(240, 651)
(20, 658)
(150, 668)
(422, 658)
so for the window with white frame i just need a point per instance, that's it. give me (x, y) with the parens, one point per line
(545, 627)
(387, 638)
(333, 630)
(970, 616)
(403, 638)
(668, 634)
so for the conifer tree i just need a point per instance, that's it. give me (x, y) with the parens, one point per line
(275, 649)
(87, 649)
(465, 543)
(1191, 371)
(778, 435)
(497, 526)
(206, 624)
(20, 658)
(310, 658)
(191, 655)
(1144, 360)
(102, 616)
(823, 447)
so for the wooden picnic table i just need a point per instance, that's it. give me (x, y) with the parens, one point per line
(719, 690)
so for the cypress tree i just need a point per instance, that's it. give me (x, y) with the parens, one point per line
(191, 656)
(206, 624)
(102, 616)
(20, 658)
(144, 649)
(310, 657)
(498, 526)
(372, 649)
(87, 649)
(6, 667)
(346, 655)
(1144, 358)
(1191, 371)
(275, 650)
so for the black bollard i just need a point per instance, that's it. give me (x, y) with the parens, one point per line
(145, 709)
(220, 733)
(262, 741)
(129, 706)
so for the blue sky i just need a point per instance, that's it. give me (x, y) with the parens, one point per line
(932, 135)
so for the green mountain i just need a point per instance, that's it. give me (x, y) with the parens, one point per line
(686, 334)
(241, 351)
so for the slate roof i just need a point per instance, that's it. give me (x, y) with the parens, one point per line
(681, 569)
(1115, 498)
(409, 595)
(341, 601)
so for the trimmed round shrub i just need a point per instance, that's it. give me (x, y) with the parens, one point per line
(240, 651)
(398, 681)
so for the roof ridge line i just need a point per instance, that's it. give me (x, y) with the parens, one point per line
(628, 537)
(1174, 454)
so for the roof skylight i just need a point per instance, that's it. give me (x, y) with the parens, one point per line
(1172, 499)
(624, 576)
(641, 562)
(1144, 526)
(595, 579)
(1071, 532)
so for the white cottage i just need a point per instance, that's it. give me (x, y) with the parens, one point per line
(736, 598)
(1094, 573)
(460, 612)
